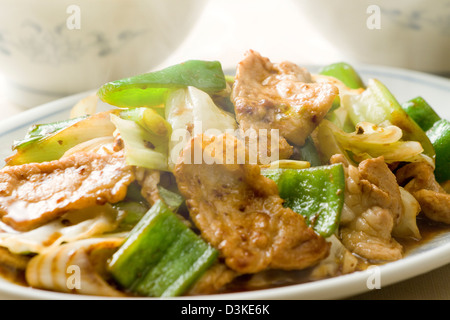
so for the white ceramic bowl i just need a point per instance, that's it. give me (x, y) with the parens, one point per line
(50, 49)
(412, 34)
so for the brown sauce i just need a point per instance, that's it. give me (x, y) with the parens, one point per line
(12, 274)
(428, 230)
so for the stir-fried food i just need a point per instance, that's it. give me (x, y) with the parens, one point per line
(194, 182)
(48, 270)
(33, 194)
(373, 206)
(239, 211)
(280, 96)
(419, 180)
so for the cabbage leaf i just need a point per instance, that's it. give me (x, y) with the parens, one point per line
(368, 141)
(190, 112)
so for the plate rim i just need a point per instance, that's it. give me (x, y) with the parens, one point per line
(355, 283)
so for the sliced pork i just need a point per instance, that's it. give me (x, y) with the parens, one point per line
(373, 205)
(418, 178)
(36, 193)
(280, 96)
(240, 212)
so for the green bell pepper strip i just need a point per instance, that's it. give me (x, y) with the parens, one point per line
(316, 193)
(161, 257)
(437, 130)
(151, 89)
(345, 73)
(421, 112)
(377, 105)
(439, 135)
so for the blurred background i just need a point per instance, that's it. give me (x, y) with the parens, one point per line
(49, 49)
(277, 29)
(40, 53)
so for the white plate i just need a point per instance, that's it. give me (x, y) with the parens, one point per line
(434, 254)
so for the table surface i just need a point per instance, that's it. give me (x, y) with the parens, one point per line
(230, 27)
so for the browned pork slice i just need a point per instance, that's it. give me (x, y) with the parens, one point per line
(418, 178)
(33, 194)
(240, 212)
(279, 96)
(372, 207)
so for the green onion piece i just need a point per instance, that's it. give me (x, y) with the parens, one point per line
(161, 257)
(60, 138)
(41, 131)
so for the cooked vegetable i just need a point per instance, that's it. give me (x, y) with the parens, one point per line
(437, 130)
(143, 148)
(345, 73)
(96, 145)
(151, 89)
(406, 226)
(52, 268)
(172, 199)
(326, 143)
(223, 98)
(308, 152)
(134, 207)
(338, 113)
(368, 141)
(421, 112)
(161, 256)
(41, 131)
(287, 164)
(134, 193)
(50, 142)
(340, 118)
(166, 230)
(439, 135)
(191, 111)
(72, 226)
(85, 107)
(150, 120)
(130, 213)
(377, 105)
(316, 193)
